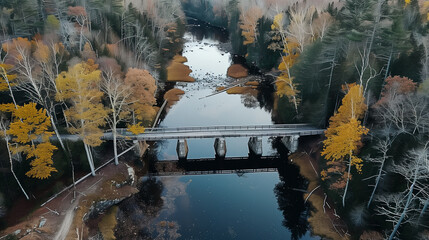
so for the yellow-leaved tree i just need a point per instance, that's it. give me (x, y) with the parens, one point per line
(285, 84)
(7, 81)
(79, 86)
(344, 137)
(30, 135)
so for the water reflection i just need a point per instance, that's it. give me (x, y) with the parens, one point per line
(289, 193)
(202, 30)
(138, 214)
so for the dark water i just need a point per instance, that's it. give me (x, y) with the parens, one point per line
(234, 206)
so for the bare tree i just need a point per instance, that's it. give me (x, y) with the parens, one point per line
(118, 95)
(31, 74)
(401, 208)
(382, 147)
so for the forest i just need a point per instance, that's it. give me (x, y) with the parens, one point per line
(357, 68)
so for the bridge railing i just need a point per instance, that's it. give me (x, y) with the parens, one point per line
(124, 131)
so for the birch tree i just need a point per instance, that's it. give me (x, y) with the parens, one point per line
(35, 73)
(79, 86)
(345, 132)
(118, 95)
(414, 170)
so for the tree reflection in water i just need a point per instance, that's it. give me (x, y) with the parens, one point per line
(289, 193)
(137, 213)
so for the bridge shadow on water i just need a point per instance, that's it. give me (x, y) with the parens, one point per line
(218, 165)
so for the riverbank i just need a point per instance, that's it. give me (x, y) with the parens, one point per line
(323, 220)
(64, 218)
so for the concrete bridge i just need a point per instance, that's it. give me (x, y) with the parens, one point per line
(290, 134)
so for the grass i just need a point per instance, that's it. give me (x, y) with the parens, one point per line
(173, 96)
(252, 83)
(108, 224)
(179, 72)
(242, 90)
(237, 71)
(180, 59)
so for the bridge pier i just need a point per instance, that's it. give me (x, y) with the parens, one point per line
(255, 145)
(182, 148)
(291, 142)
(220, 147)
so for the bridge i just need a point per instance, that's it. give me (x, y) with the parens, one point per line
(290, 134)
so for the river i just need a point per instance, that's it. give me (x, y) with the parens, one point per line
(217, 206)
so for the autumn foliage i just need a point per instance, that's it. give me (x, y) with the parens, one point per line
(79, 86)
(248, 24)
(143, 86)
(30, 133)
(344, 137)
(394, 87)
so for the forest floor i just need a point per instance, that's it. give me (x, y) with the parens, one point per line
(324, 220)
(62, 218)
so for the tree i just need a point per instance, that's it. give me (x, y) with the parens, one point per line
(7, 81)
(79, 15)
(5, 136)
(403, 109)
(36, 73)
(31, 125)
(344, 135)
(80, 87)
(414, 169)
(143, 87)
(248, 24)
(118, 95)
(284, 82)
(382, 147)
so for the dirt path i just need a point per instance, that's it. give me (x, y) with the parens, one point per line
(67, 222)
(59, 214)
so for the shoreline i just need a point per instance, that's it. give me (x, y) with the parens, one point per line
(323, 219)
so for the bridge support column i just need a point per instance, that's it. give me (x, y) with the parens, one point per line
(255, 145)
(182, 148)
(291, 142)
(220, 147)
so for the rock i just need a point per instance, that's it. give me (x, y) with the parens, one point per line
(100, 206)
(42, 222)
(131, 175)
(17, 232)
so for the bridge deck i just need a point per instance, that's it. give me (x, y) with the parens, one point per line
(278, 130)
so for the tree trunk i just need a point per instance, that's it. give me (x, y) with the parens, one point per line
(11, 169)
(407, 204)
(347, 184)
(115, 147)
(388, 64)
(57, 133)
(376, 182)
(425, 207)
(89, 156)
